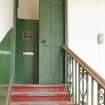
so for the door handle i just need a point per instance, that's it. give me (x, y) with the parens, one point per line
(43, 41)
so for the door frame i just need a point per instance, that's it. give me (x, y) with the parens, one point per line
(66, 22)
(14, 30)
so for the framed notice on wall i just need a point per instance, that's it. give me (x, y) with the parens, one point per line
(27, 35)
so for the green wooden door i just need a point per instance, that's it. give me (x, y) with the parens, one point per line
(27, 51)
(51, 40)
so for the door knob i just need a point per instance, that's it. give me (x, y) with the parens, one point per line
(43, 41)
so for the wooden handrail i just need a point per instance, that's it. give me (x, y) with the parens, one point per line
(87, 68)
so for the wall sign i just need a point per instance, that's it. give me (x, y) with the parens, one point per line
(28, 35)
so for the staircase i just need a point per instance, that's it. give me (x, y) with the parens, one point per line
(30, 94)
(83, 82)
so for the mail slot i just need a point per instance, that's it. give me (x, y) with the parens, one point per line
(28, 35)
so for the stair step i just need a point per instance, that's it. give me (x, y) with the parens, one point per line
(38, 98)
(39, 94)
(41, 97)
(39, 88)
(42, 103)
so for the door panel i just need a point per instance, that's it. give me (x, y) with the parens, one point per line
(57, 24)
(51, 41)
(44, 72)
(45, 22)
(57, 64)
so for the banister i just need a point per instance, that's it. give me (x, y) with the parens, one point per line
(87, 68)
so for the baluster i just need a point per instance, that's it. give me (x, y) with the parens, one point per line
(83, 96)
(83, 86)
(79, 83)
(66, 69)
(92, 92)
(101, 95)
(70, 74)
(72, 79)
(69, 71)
(75, 81)
(87, 88)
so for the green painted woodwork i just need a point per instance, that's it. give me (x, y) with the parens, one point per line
(5, 59)
(51, 40)
(6, 64)
(26, 65)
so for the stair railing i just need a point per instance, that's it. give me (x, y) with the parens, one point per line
(86, 87)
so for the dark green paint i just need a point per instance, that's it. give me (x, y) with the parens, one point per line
(47, 64)
(26, 65)
(51, 40)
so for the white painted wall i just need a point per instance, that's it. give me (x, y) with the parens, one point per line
(86, 19)
(6, 17)
(28, 9)
(83, 29)
(101, 47)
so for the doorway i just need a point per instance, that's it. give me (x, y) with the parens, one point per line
(39, 41)
(27, 33)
